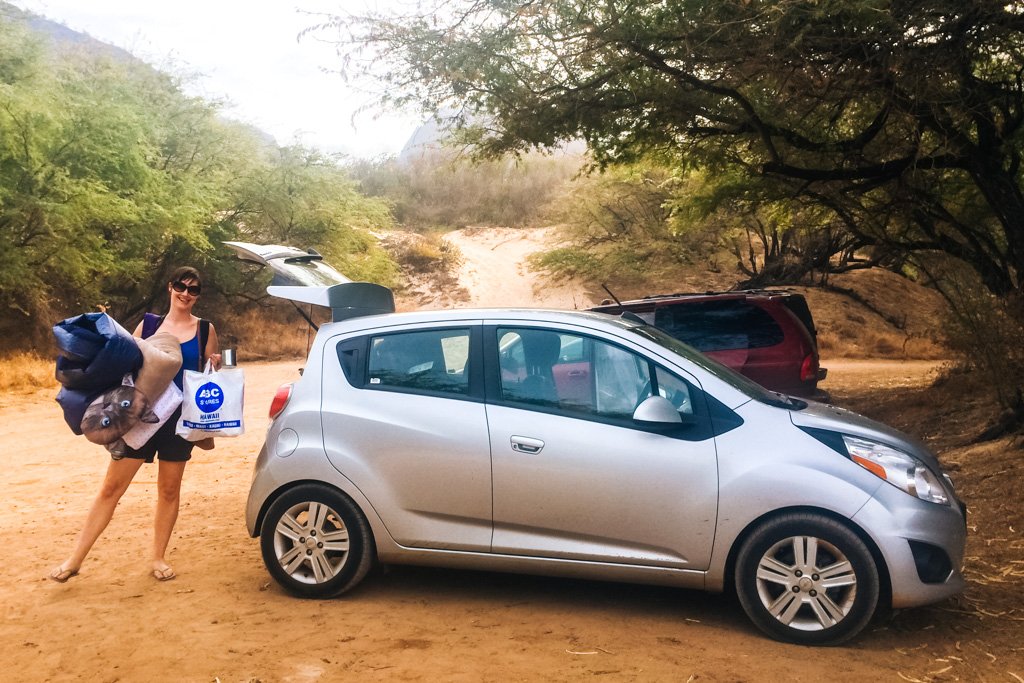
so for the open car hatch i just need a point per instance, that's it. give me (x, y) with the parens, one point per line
(303, 277)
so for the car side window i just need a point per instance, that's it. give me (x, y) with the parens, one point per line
(720, 325)
(428, 360)
(570, 372)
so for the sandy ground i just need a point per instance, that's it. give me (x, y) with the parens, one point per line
(223, 619)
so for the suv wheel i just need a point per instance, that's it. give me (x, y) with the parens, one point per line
(315, 542)
(807, 579)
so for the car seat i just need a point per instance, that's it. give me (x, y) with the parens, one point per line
(540, 348)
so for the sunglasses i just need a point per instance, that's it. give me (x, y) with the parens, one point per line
(180, 286)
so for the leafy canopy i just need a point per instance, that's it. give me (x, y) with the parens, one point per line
(902, 118)
(111, 176)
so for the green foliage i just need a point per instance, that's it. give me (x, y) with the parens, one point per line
(775, 238)
(111, 176)
(298, 196)
(617, 223)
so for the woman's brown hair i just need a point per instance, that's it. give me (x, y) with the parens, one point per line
(186, 273)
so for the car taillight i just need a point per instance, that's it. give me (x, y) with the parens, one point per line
(280, 400)
(809, 368)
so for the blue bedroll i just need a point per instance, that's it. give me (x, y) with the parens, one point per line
(95, 352)
(74, 402)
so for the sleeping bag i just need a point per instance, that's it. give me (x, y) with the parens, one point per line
(119, 409)
(95, 352)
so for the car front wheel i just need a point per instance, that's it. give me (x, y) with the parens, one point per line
(315, 542)
(807, 579)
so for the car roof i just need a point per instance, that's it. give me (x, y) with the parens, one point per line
(457, 315)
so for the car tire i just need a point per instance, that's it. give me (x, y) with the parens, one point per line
(807, 579)
(316, 542)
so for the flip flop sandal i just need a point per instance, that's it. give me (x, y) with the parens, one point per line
(164, 574)
(62, 575)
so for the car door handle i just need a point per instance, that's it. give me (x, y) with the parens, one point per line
(524, 444)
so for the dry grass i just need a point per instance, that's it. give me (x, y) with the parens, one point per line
(26, 372)
(882, 343)
(429, 265)
(422, 253)
(903, 321)
(266, 334)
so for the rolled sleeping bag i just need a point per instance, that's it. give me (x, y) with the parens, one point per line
(161, 360)
(95, 352)
(118, 410)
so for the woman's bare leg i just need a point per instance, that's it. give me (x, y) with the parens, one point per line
(119, 475)
(167, 502)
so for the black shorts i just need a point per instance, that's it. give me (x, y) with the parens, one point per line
(165, 443)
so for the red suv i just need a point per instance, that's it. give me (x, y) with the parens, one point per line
(767, 335)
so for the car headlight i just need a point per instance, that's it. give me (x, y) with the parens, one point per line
(900, 469)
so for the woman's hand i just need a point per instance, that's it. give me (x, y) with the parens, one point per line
(215, 359)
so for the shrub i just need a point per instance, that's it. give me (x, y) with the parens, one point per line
(985, 332)
(26, 372)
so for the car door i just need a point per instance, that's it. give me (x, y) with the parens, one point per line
(408, 427)
(574, 477)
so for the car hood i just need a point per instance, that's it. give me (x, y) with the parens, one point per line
(822, 416)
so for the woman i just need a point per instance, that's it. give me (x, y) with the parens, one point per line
(173, 451)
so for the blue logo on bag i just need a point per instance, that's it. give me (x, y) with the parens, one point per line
(209, 397)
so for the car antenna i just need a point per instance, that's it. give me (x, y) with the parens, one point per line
(611, 294)
(626, 315)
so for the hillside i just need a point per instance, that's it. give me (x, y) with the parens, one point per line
(63, 38)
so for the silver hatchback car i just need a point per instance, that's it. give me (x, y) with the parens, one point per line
(591, 446)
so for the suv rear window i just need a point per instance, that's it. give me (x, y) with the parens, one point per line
(719, 325)
(798, 306)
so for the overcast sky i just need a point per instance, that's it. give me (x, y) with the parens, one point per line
(248, 53)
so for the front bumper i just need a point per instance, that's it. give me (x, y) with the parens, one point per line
(921, 543)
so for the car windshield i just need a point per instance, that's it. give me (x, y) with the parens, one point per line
(726, 374)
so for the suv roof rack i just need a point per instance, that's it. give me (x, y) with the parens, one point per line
(711, 292)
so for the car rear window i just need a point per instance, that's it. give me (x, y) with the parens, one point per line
(719, 325)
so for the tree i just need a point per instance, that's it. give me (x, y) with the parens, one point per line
(297, 196)
(900, 117)
(110, 175)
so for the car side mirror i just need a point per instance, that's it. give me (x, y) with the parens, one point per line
(657, 410)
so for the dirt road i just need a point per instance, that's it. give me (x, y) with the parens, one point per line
(495, 270)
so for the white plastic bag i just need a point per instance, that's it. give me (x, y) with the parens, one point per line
(212, 403)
